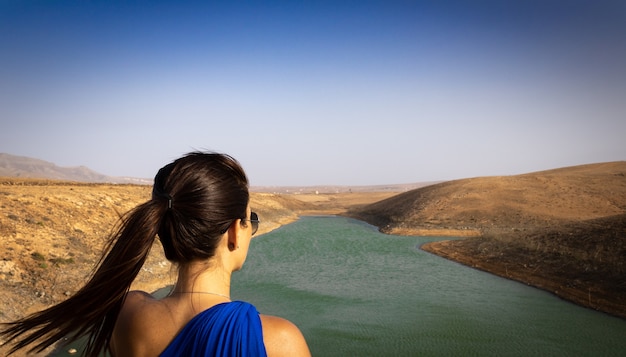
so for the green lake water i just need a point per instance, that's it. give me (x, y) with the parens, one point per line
(356, 292)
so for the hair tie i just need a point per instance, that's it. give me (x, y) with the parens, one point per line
(167, 197)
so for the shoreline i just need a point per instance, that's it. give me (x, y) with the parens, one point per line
(594, 298)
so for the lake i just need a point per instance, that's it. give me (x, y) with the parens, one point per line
(356, 292)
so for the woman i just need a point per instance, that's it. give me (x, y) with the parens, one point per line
(200, 211)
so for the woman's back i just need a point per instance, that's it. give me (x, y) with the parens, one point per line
(147, 326)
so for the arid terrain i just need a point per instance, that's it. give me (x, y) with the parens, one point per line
(562, 230)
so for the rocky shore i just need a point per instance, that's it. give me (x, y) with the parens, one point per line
(597, 290)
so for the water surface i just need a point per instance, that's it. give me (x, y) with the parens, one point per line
(356, 292)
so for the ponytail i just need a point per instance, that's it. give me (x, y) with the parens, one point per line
(195, 199)
(93, 310)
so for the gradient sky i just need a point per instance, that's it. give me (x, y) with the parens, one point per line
(316, 92)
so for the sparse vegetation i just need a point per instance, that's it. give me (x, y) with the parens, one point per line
(38, 256)
(60, 261)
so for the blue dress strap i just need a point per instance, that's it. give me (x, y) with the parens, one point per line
(227, 329)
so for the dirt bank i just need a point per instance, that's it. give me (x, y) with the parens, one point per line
(574, 272)
(584, 291)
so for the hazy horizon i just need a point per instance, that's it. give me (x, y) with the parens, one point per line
(316, 93)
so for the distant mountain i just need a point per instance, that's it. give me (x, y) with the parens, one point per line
(26, 167)
(326, 189)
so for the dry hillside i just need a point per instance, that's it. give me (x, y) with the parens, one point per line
(561, 230)
(53, 232)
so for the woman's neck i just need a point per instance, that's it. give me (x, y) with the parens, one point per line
(203, 277)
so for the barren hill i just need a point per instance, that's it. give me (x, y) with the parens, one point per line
(562, 230)
(501, 203)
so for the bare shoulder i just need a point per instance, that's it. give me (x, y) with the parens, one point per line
(133, 303)
(283, 338)
(137, 298)
(142, 312)
(135, 326)
(136, 304)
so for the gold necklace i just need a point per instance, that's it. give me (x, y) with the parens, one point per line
(200, 292)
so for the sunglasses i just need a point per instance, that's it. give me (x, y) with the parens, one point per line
(254, 221)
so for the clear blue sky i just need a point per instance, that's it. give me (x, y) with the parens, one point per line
(316, 92)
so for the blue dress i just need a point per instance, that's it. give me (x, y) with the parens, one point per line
(227, 329)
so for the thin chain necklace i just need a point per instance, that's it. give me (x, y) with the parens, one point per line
(200, 292)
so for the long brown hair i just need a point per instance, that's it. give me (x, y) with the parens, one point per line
(194, 201)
